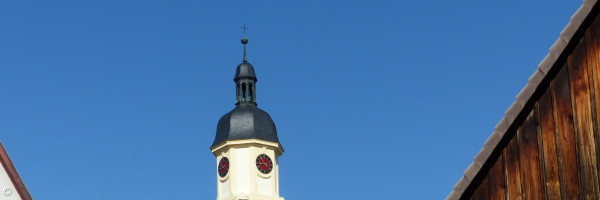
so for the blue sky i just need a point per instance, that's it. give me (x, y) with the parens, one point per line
(372, 99)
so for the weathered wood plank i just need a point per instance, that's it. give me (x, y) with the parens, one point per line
(529, 159)
(593, 57)
(497, 180)
(474, 196)
(513, 169)
(536, 113)
(584, 128)
(547, 142)
(483, 192)
(567, 153)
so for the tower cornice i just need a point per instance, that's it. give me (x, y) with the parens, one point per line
(243, 142)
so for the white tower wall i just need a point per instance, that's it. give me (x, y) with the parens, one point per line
(7, 188)
(244, 181)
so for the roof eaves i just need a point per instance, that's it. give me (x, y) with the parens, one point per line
(512, 112)
(536, 78)
(461, 185)
(522, 99)
(13, 174)
(501, 127)
(548, 61)
(525, 94)
(453, 196)
(486, 151)
(589, 3)
(472, 170)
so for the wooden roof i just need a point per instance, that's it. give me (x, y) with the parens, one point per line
(530, 94)
(13, 175)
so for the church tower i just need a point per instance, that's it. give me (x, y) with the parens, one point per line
(246, 146)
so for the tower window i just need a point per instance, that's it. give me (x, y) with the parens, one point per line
(243, 91)
(250, 91)
(237, 91)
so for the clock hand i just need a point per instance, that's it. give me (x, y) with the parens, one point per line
(261, 162)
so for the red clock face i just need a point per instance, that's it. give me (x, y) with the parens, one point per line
(223, 167)
(264, 163)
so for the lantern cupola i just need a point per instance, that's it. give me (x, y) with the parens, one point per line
(245, 80)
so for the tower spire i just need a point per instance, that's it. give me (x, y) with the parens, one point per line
(244, 42)
(245, 79)
(245, 134)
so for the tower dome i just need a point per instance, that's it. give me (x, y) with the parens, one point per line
(245, 70)
(246, 120)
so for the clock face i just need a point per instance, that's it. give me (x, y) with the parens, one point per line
(264, 163)
(223, 167)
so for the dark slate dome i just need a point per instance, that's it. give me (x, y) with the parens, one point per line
(246, 122)
(244, 70)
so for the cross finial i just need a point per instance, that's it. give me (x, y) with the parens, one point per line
(244, 27)
(244, 42)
